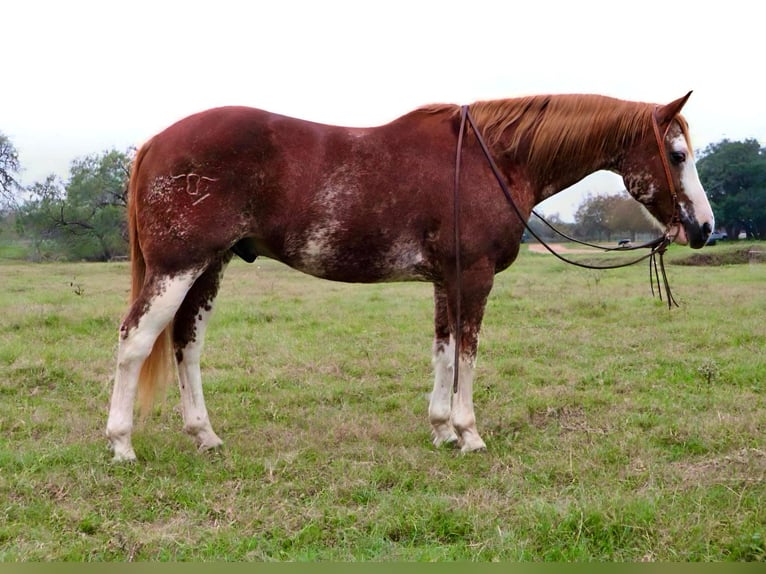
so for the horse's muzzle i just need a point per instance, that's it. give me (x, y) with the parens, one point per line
(691, 233)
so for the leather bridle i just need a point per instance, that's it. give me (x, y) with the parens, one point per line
(656, 246)
(675, 218)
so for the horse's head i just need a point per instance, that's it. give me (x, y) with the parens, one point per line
(659, 172)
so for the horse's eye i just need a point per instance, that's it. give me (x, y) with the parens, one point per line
(677, 157)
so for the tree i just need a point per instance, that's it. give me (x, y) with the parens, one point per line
(734, 176)
(602, 216)
(592, 217)
(544, 231)
(86, 217)
(93, 214)
(36, 218)
(627, 216)
(9, 168)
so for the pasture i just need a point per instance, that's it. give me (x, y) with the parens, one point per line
(616, 430)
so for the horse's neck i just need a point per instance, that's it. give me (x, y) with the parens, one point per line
(594, 152)
(560, 180)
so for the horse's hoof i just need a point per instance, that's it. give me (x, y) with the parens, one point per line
(123, 457)
(445, 442)
(121, 449)
(210, 443)
(444, 436)
(471, 442)
(211, 447)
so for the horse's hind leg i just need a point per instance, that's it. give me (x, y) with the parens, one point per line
(149, 314)
(188, 339)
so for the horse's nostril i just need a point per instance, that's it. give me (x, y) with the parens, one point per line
(706, 229)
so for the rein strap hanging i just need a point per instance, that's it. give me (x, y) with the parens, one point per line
(458, 269)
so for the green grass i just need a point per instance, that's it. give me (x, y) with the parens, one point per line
(617, 430)
(12, 250)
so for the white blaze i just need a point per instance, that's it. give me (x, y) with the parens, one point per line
(695, 204)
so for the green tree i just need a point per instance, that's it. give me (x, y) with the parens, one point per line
(592, 217)
(734, 176)
(9, 169)
(628, 217)
(603, 216)
(93, 214)
(544, 231)
(85, 218)
(37, 218)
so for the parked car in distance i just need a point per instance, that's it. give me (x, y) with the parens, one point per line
(715, 237)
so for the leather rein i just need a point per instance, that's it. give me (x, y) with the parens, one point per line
(656, 246)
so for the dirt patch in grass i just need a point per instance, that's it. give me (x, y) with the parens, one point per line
(710, 256)
(747, 465)
(749, 254)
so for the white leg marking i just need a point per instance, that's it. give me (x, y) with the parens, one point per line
(196, 420)
(133, 350)
(440, 406)
(120, 423)
(463, 417)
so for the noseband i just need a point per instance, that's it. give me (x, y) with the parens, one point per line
(656, 246)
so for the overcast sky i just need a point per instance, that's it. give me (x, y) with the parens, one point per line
(80, 77)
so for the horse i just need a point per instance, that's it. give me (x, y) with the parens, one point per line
(366, 205)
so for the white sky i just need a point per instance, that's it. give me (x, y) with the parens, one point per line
(80, 77)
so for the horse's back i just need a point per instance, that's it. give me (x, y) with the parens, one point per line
(333, 201)
(215, 138)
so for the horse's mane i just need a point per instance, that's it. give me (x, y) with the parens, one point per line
(559, 127)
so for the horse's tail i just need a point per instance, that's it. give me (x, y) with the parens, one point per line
(157, 370)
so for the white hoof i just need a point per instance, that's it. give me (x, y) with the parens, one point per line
(206, 439)
(473, 448)
(444, 434)
(122, 453)
(121, 447)
(470, 441)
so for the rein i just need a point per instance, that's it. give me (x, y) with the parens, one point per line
(656, 246)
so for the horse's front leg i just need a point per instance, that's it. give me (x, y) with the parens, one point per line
(463, 416)
(452, 417)
(440, 405)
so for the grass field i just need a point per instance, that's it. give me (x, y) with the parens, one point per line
(616, 430)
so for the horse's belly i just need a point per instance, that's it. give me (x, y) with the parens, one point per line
(362, 261)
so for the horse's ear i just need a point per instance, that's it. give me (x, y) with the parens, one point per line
(667, 112)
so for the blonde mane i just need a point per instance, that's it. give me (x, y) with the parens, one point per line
(561, 128)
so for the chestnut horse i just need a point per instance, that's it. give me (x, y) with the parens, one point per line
(368, 205)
